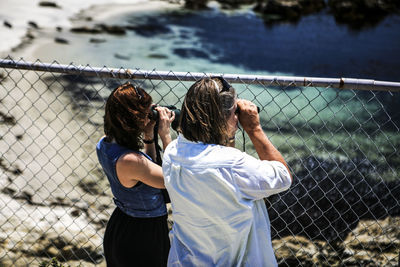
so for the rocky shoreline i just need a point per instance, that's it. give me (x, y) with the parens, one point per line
(355, 14)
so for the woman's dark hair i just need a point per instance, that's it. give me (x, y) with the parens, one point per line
(125, 113)
(205, 111)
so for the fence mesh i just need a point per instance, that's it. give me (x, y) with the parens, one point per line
(342, 147)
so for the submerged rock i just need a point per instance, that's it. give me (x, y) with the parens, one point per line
(149, 29)
(190, 53)
(123, 57)
(158, 56)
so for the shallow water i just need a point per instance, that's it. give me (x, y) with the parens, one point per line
(316, 46)
(240, 42)
(300, 120)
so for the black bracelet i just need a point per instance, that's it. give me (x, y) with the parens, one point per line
(148, 141)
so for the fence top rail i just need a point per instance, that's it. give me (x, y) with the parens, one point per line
(273, 81)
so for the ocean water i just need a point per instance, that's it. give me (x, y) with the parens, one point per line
(240, 42)
(301, 121)
(315, 46)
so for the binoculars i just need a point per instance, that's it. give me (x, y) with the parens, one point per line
(154, 115)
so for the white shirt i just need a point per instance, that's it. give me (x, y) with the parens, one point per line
(219, 214)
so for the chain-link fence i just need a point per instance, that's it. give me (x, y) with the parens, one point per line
(340, 138)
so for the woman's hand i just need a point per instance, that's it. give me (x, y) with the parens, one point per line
(149, 129)
(165, 117)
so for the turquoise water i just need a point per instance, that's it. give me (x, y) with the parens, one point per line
(301, 121)
(240, 42)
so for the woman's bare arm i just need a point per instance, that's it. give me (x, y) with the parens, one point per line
(134, 167)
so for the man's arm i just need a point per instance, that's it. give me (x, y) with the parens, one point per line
(250, 121)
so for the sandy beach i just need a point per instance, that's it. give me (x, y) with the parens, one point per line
(25, 25)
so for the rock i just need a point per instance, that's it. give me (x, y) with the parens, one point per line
(231, 4)
(190, 53)
(7, 24)
(86, 29)
(149, 29)
(123, 57)
(24, 195)
(100, 28)
(59, 29)
(8, 191)
(377, 240)
(371, 243)
(61, 40)
(52, 251)
(48, 4)
(11, 169)
(97, 41)
(112, 29)
(300, 251)
(158, 56)
(288, 10)
(33, 24)
(30, 35)
(362, 12)
(196, 4)
(81, 205)
(7, 119)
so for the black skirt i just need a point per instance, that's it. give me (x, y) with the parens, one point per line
(130, 241)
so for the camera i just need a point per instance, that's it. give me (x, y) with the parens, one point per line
(153, 115)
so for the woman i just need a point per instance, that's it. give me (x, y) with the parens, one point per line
(137, 232)
(217, 191)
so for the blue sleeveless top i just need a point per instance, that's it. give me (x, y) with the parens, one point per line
(141, 200)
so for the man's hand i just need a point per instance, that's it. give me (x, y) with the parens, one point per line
(248, 116)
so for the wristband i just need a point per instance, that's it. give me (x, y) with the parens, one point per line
(148, 141)
(231, 139)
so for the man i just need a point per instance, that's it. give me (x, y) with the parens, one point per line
(217, 191)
